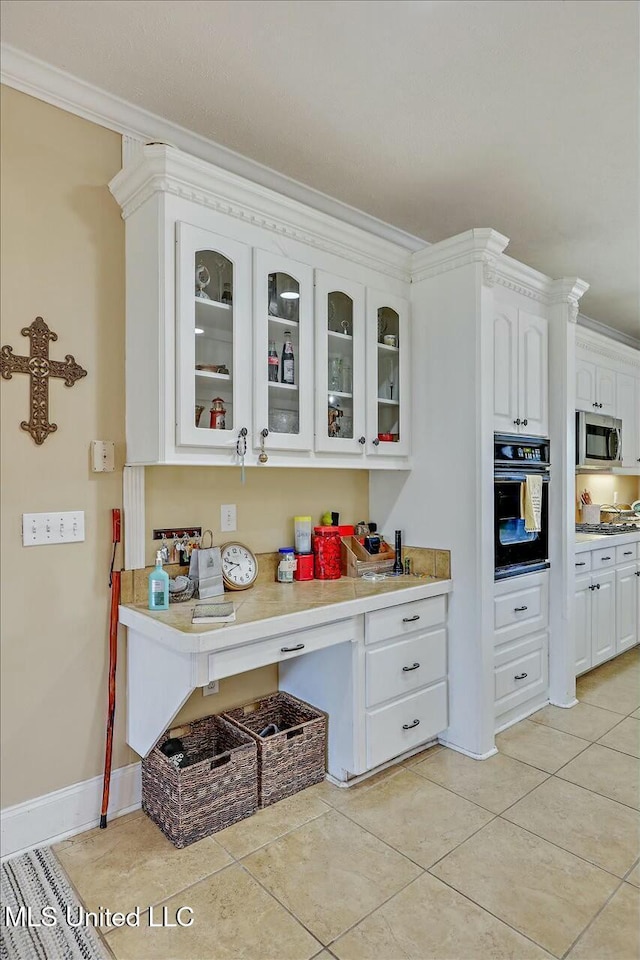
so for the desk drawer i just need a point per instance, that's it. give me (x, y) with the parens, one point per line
(520, 672)
(400, 668)
(626, 552)
(601, 559)
(404, 618)
(521, 606)
(583, 563)
(393, 729)
(226, 663)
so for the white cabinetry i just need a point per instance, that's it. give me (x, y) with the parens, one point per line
(521, 392)
(606, 607)
(595, 387)
(521, 641)
(219, 272)
(628, 410)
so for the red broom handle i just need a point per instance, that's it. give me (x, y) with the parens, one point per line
(113, 660)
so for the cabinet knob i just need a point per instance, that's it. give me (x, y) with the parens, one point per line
(520, 676)
(519, 609)
(592, 587)
(362, 440)
(524, 423)
(409, 726)
(416, 616)
(637, 573)
(414, 666)
(597, 586)
(375, 442)
(517, 422)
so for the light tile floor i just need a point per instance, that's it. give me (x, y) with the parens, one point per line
(530, 854)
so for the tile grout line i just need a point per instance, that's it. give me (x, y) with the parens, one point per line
(593, 920)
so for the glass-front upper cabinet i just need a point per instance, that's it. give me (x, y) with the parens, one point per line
(388, 366)
(340, 365)
(283, 354)
(213, 338)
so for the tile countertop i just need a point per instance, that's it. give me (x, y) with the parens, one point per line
(592, 541)
(271, 609)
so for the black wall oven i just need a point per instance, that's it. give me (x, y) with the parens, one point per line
(517, 550)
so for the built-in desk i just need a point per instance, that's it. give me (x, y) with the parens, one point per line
(331, 639)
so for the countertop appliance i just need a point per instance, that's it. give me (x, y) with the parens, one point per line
(517, 550)
(598, 440)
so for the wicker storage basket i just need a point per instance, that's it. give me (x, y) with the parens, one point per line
(293, 759)
(218, 789)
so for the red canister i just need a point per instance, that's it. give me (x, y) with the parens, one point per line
(327, 553)
(304, 567)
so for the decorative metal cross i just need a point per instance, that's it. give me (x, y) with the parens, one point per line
(40, 368)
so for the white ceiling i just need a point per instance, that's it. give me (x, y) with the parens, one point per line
(520, 115)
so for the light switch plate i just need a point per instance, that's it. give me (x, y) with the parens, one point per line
(228, 517)
(46, 528)
(103, 456)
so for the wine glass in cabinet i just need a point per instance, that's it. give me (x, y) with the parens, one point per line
(213, 337)
(388, 393)
(283, 353)
(340, 365)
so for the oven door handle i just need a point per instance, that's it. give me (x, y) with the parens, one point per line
(518, 477)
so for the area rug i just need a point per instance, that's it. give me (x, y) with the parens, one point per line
(40, 910)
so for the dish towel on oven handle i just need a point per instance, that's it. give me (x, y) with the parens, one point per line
(531, 503)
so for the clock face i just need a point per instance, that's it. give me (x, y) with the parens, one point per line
(239, 566)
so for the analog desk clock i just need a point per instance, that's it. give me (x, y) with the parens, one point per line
(239, 566)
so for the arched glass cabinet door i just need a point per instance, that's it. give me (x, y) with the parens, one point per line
(213, 334)
(340, 365)
(283, 353)
(388, 373)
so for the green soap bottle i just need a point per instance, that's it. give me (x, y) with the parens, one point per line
(158, 586)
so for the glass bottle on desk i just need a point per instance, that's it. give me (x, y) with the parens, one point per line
(273, 362)
(288, 360)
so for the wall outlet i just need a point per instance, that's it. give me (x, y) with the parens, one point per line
(228, 517)
(103, 456)
(43, 528)
(212, 687)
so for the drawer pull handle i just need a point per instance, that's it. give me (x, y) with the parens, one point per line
(519, 609)
(416, 616)
(606, 558)
(520, 676)
(627, 553)
(298, 646)
(410, 726)
(582, 563)
(414, 666)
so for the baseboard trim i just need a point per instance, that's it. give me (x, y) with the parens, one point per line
(523, 716)
(564, 706)
(63, 813)
(467, 753)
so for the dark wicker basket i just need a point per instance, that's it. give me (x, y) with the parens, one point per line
(217, 789)
(287, 761)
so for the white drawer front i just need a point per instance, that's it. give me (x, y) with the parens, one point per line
(521, 606)
(404, 618)
(402, 667)
(626, 552)
(226, 663)
(601, 559)
(393, 729)
(583, 563)
(521, 672)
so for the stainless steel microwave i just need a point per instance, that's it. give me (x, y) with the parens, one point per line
(598, 440)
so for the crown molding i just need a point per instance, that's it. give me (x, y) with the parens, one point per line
(588, 323)
(480, 245)
(604, 346)
(61, 89)
(568, 290)
(160, 168)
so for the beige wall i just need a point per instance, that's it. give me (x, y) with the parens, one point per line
(602, 486)
(63, 258)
